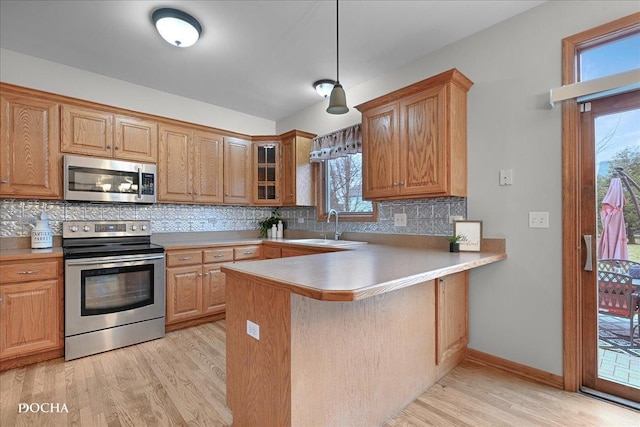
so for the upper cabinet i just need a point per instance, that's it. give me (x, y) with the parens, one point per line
(100, 133)
(297, 179)
(190, 165)
(414, 140)
(237, 171)
(30, 165)
(266, 168)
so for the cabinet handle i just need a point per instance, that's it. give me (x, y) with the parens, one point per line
(199, 274)
(196, 193)
(248, 253)
(226, 194)
(28, 272)
(109, 147)
(395, 184)
(218, 256)
(207, 273)
(0, 299)
(185, 258)
(4, 181)
(116, 148)
(401, 182)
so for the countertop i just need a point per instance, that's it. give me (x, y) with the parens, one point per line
(360, 272)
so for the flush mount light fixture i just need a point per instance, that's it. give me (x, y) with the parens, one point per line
(177, 27)
(324, 86)
(338, 99)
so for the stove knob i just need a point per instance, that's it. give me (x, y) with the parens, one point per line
(144, 227)
(134, 227)
(73, 228)
(86, 228)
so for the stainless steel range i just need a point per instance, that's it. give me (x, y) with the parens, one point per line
(114, 286)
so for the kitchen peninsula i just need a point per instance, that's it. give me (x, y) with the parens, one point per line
(343, 338)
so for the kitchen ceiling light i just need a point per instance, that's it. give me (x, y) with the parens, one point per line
(338, 99)
(177, 27)
(324, 86)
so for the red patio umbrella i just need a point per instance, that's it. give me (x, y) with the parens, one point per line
(613, 241)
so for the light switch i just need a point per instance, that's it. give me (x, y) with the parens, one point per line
(400, 220)
(506, 176)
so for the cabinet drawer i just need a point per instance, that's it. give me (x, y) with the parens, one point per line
(246, 252)
(217, 255)
(271, 252)
(29, 271)
(175, 259)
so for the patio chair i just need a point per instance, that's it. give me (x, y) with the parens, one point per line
(623, 266)
(617, 296)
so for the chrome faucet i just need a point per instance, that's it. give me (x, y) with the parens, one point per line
(337, 233)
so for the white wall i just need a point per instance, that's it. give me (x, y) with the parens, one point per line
(28, 71)
(516, 305)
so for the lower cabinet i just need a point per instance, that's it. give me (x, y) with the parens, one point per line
(195, 284)
(31, 312)
(452, 315)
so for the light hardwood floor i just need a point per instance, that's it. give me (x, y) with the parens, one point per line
(180, 380)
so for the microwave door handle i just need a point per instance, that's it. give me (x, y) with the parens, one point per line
(139, 183)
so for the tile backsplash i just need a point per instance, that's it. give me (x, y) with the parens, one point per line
(424, 216)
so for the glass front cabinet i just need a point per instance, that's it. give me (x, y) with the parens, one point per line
(267, 173)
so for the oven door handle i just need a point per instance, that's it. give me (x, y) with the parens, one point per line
(112, 260)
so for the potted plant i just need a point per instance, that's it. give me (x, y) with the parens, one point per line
(454, 243)
(267, 223)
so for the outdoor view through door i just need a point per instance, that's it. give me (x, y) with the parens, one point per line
(617, 161)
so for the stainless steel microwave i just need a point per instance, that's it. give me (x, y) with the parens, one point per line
(91, 179)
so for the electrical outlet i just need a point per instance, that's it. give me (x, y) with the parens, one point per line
(538, 219)
(506, 176)
(253, 330)
(400, 219)
(300, 220)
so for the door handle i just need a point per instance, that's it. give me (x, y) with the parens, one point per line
(588, 264)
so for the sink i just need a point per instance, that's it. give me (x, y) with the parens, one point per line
(327, 242)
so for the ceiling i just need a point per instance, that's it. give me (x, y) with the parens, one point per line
(256, 57)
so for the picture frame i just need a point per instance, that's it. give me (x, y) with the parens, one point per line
(471, 232)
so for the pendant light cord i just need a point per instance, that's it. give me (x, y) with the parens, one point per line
(337, 43)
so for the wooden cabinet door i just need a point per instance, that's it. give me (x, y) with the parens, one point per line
(452, 315)
(213, 289)
(266, 169)
(379, 152)
(29, 318)
(184, 293)
(208, 167)
(30, 165)
(86, 131)
(288, 147)
(174, 165)
(423, 144)
(237, 171)
(136, 139)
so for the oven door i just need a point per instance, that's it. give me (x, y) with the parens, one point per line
(104, 292)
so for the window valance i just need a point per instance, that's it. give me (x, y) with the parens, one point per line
(337, 144)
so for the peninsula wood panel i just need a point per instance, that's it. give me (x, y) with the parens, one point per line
(258, 371)
(30, 165)
(359, 363)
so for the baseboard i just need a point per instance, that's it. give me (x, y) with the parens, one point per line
(518, 369)
(195, 322)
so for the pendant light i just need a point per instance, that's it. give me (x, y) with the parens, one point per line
(177, 27)
(338, 99)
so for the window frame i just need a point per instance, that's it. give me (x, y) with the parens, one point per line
(321, 198)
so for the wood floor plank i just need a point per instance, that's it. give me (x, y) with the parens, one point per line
(180, 380)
